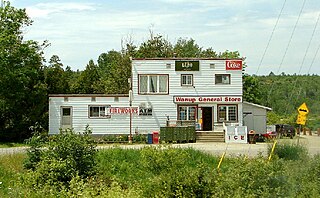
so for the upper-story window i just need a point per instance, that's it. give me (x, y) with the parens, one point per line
(153, 84)
(222, 79)
(186, 80)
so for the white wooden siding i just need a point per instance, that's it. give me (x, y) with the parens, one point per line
(162, 105)
(117, 124)
(203, 81)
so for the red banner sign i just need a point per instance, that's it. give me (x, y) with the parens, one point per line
(123, 110)
(208, 99)
(233, 65)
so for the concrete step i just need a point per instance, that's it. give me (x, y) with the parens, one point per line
(210, 136)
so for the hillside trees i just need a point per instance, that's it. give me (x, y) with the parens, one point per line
(22, 88)
(115, 69)
(55, 77)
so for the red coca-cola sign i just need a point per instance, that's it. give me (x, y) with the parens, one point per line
(233, 65)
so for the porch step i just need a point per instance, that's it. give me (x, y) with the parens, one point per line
(211, 136)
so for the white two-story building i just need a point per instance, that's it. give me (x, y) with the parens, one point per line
(206, 92)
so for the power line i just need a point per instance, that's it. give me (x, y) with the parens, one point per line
(304, 57)
(291, 36)
(286, 50)
(314, 57)
(265, 50)
(314, 30)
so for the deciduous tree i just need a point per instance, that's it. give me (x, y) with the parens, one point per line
(22, 88)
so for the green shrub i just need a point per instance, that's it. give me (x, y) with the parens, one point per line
(65, 156)
(122, 165)
(252, 178)
(140, 138)
(289, 151)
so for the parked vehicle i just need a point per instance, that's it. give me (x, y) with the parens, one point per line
(271, 132)
(285, 130)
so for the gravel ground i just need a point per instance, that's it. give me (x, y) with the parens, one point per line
(231, 149)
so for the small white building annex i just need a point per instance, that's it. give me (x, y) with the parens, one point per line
(206, 92)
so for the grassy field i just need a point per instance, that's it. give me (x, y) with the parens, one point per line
(170, 172)
(10, 144)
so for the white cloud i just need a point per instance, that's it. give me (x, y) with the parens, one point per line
(81, 31)
(45, 9)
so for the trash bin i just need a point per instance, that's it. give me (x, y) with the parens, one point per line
(251, 137)
(150, 138)
(155, 137)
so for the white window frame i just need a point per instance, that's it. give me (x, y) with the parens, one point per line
(229, 113)
(187, 80)
(225, 79)
(188, 115)
(157, 85)
(103, 111)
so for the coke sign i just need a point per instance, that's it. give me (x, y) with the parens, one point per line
(233, 65)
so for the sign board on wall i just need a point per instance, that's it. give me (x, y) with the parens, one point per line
(122, 110)
(234, 65)
(187, 65)
(207, 99)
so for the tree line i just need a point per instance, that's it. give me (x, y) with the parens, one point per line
(27, 78)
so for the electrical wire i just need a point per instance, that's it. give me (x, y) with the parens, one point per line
(303, 60)
(291, 36)
(286, 50)
(273, 30)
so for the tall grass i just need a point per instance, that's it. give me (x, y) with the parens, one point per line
(11, 165)
(164, 171)
(289, 151)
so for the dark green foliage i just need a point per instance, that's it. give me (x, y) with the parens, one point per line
(289, 151)
(22, 88)
(55, 77)
(64, 157)
(182, 173)
(251, 89)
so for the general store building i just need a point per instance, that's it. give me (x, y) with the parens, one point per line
(205, 92)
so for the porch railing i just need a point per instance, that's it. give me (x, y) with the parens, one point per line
(180, 123)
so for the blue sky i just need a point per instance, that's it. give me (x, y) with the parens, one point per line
(81, 30)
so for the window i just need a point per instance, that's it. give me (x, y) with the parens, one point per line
(227, 113)
(153, 84)
(187, 112)
(186, 80)
(222, 78)
(99, 111)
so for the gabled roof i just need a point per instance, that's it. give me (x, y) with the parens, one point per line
(88, 95)
(256, 105)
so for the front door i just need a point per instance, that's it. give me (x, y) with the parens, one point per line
(207, 118)
(66, 117)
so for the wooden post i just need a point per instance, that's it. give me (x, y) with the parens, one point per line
(310, 132)
(318, 131)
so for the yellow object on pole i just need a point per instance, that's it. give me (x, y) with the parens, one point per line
(302, 114)
(220, 162)
(272, 150)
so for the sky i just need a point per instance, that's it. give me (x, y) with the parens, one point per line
(81, 30)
